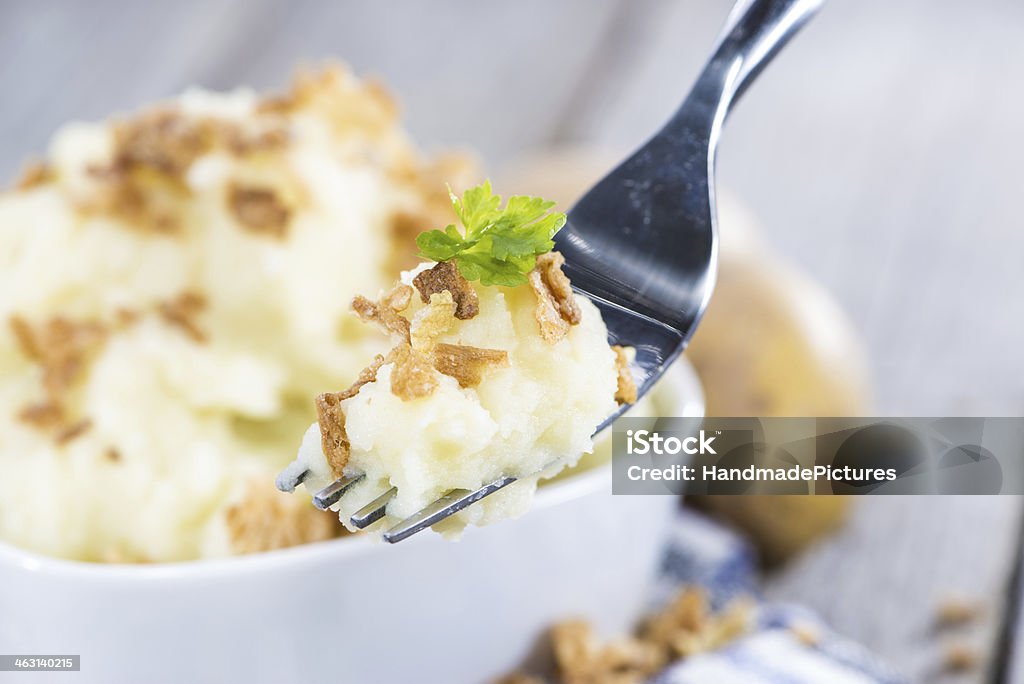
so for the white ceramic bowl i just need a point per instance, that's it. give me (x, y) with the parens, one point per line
(353, 610)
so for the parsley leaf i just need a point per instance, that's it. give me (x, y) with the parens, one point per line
(498, 246)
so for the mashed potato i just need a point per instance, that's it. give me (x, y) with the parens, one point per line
(461, 401)
(173, 288)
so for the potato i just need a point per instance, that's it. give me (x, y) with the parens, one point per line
(772, 343)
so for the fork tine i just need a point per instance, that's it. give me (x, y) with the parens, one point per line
(332, 493)
(448, 505)
(291, 477)
(373, 511)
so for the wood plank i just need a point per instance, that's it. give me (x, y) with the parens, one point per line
(882, 579)
(493, 78)
(1013, 635)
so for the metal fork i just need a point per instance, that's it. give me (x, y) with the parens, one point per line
(642, 243)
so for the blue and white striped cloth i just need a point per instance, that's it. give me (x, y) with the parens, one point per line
(704, 553)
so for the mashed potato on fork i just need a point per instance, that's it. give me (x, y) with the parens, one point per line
(516, 387)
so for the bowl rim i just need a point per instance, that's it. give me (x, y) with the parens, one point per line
(686, 397)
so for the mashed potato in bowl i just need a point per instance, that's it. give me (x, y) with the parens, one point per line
(175, 286)
(173, 289)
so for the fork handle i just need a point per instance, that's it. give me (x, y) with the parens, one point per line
(754, 32)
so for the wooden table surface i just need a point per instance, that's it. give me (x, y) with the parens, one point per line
(882, 152)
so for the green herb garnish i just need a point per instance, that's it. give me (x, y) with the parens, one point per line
(499, 245)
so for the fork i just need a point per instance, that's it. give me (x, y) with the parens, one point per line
(642, 243)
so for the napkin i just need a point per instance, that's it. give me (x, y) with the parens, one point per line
(788, 645)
